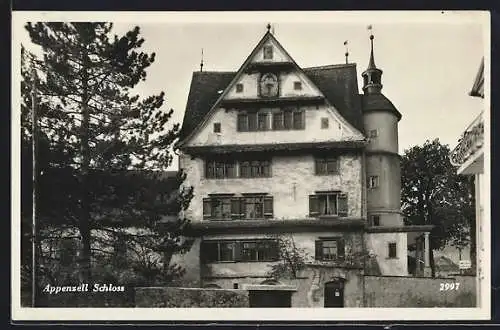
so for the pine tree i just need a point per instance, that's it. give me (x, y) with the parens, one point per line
(109, 148)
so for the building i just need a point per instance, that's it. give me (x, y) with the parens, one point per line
(468, 157)
(275, 149)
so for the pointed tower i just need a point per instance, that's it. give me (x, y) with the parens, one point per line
(383, 174)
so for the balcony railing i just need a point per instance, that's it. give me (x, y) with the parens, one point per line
(471, 142)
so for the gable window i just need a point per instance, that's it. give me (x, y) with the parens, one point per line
(326, 166)
(328, 203)
(373, 181)
(216, 127)
(392, 253)
(235, 251)
(242, 122)
(239, 88)
(220, 169)
(324, 123)
(252, 121)
(269, 85)
(298, 119)
(331, 249)
(297, 85)
(375, 220)
(268, 52)
(263, 122)
(278, 121)
(373, 133)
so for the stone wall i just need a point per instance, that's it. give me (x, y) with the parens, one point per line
(190, 297)
(410, 292)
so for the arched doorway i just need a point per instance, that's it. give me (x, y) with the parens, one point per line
(334, 293)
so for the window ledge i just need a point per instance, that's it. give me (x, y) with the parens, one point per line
(391, 258)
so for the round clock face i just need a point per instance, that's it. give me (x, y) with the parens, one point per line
(269, 85)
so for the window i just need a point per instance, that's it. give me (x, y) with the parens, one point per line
(255, 169)
(218, 208)
(268, 52)
(334, 203)
(219, 169)
(219, 251)
(239, 88)
(324, 123)
(253, 121)
(278, 121)
(330, 249)
(228, 207)
(297, 85)
(242, 124)
(392, 250)
(288, 120)
(264, 250)
(326, 166)
(263, 122)
(373, 133)
(234, 251)
(216, 127)
(373, 181)
(269, 85)
(375, 220)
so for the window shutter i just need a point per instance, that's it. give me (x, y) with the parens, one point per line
(318, 249)
(342, 205)
(313, 206)
(207, 208)
(341, 248)
(242, 208)
(303, 119)
(274, 251)
(268, 206)
(235, 208)
(237, 251)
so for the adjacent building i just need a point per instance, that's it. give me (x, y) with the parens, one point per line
(275, 150)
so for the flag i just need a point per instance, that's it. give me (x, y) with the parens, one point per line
(369, 27)
(345, 43)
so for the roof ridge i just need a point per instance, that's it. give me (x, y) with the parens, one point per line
(331, 66)
(214, 71)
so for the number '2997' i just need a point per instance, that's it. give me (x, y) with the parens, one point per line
(448, 286)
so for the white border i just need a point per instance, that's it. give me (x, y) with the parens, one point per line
(244, 314)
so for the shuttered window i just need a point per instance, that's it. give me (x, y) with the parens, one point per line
(335, 204)
(251, 207)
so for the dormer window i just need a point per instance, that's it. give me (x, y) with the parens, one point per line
(239, 88)
(268, 52)
(269, 85)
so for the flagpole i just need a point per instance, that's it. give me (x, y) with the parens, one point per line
(34, 142)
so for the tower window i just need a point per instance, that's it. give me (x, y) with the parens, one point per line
(324, 123)
(373, 133)
(239, 88)
(297, 85)
(375, 220)
(216, 127)
(268, 52)
(373, 181)
(392, 250)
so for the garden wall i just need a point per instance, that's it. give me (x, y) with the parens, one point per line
(394, 291)
(170, 297)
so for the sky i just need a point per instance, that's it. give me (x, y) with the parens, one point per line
(429, 62)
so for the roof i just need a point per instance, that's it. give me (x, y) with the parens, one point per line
(337, 82)
(378, 102)
(478, 86)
